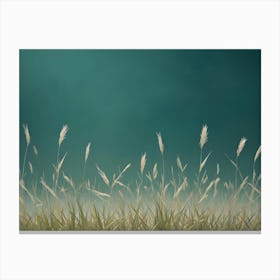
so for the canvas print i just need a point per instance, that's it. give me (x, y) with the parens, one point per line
(140, 140)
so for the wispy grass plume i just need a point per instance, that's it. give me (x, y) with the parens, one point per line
(240, 148)
(103, 176)
(27, 135)
(30, 167)
(51, 191)
(161, 148)
(155, 171)
(62, 134)
(203, 136)
(202, 142)
(160, 143)
(87, 151)
(180, 165)
(143, 162)
(35, 150)
(258, 152)
(120, 175)
(28, 140)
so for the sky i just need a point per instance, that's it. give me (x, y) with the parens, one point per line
(119, 99)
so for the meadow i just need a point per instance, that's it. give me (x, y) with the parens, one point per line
(155, 202)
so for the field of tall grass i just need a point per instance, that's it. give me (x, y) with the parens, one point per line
(155, 202)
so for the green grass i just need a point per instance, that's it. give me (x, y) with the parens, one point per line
(135, 217)
(154, 203)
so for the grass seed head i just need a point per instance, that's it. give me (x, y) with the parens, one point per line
(35, 150)
(27, 134)
(203, 136)
(87, 151)
(103, 176)
(62, 134)
(30, 167)
(155, 171)
(241, 146)
(257, 154)
(68, 180)
(143, 163)
(160, 143)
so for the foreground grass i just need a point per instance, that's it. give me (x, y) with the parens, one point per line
(134, 217)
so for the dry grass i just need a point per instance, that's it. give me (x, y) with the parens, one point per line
(135, 217)
(153, 203)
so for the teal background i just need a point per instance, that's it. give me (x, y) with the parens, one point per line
(119, 99)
